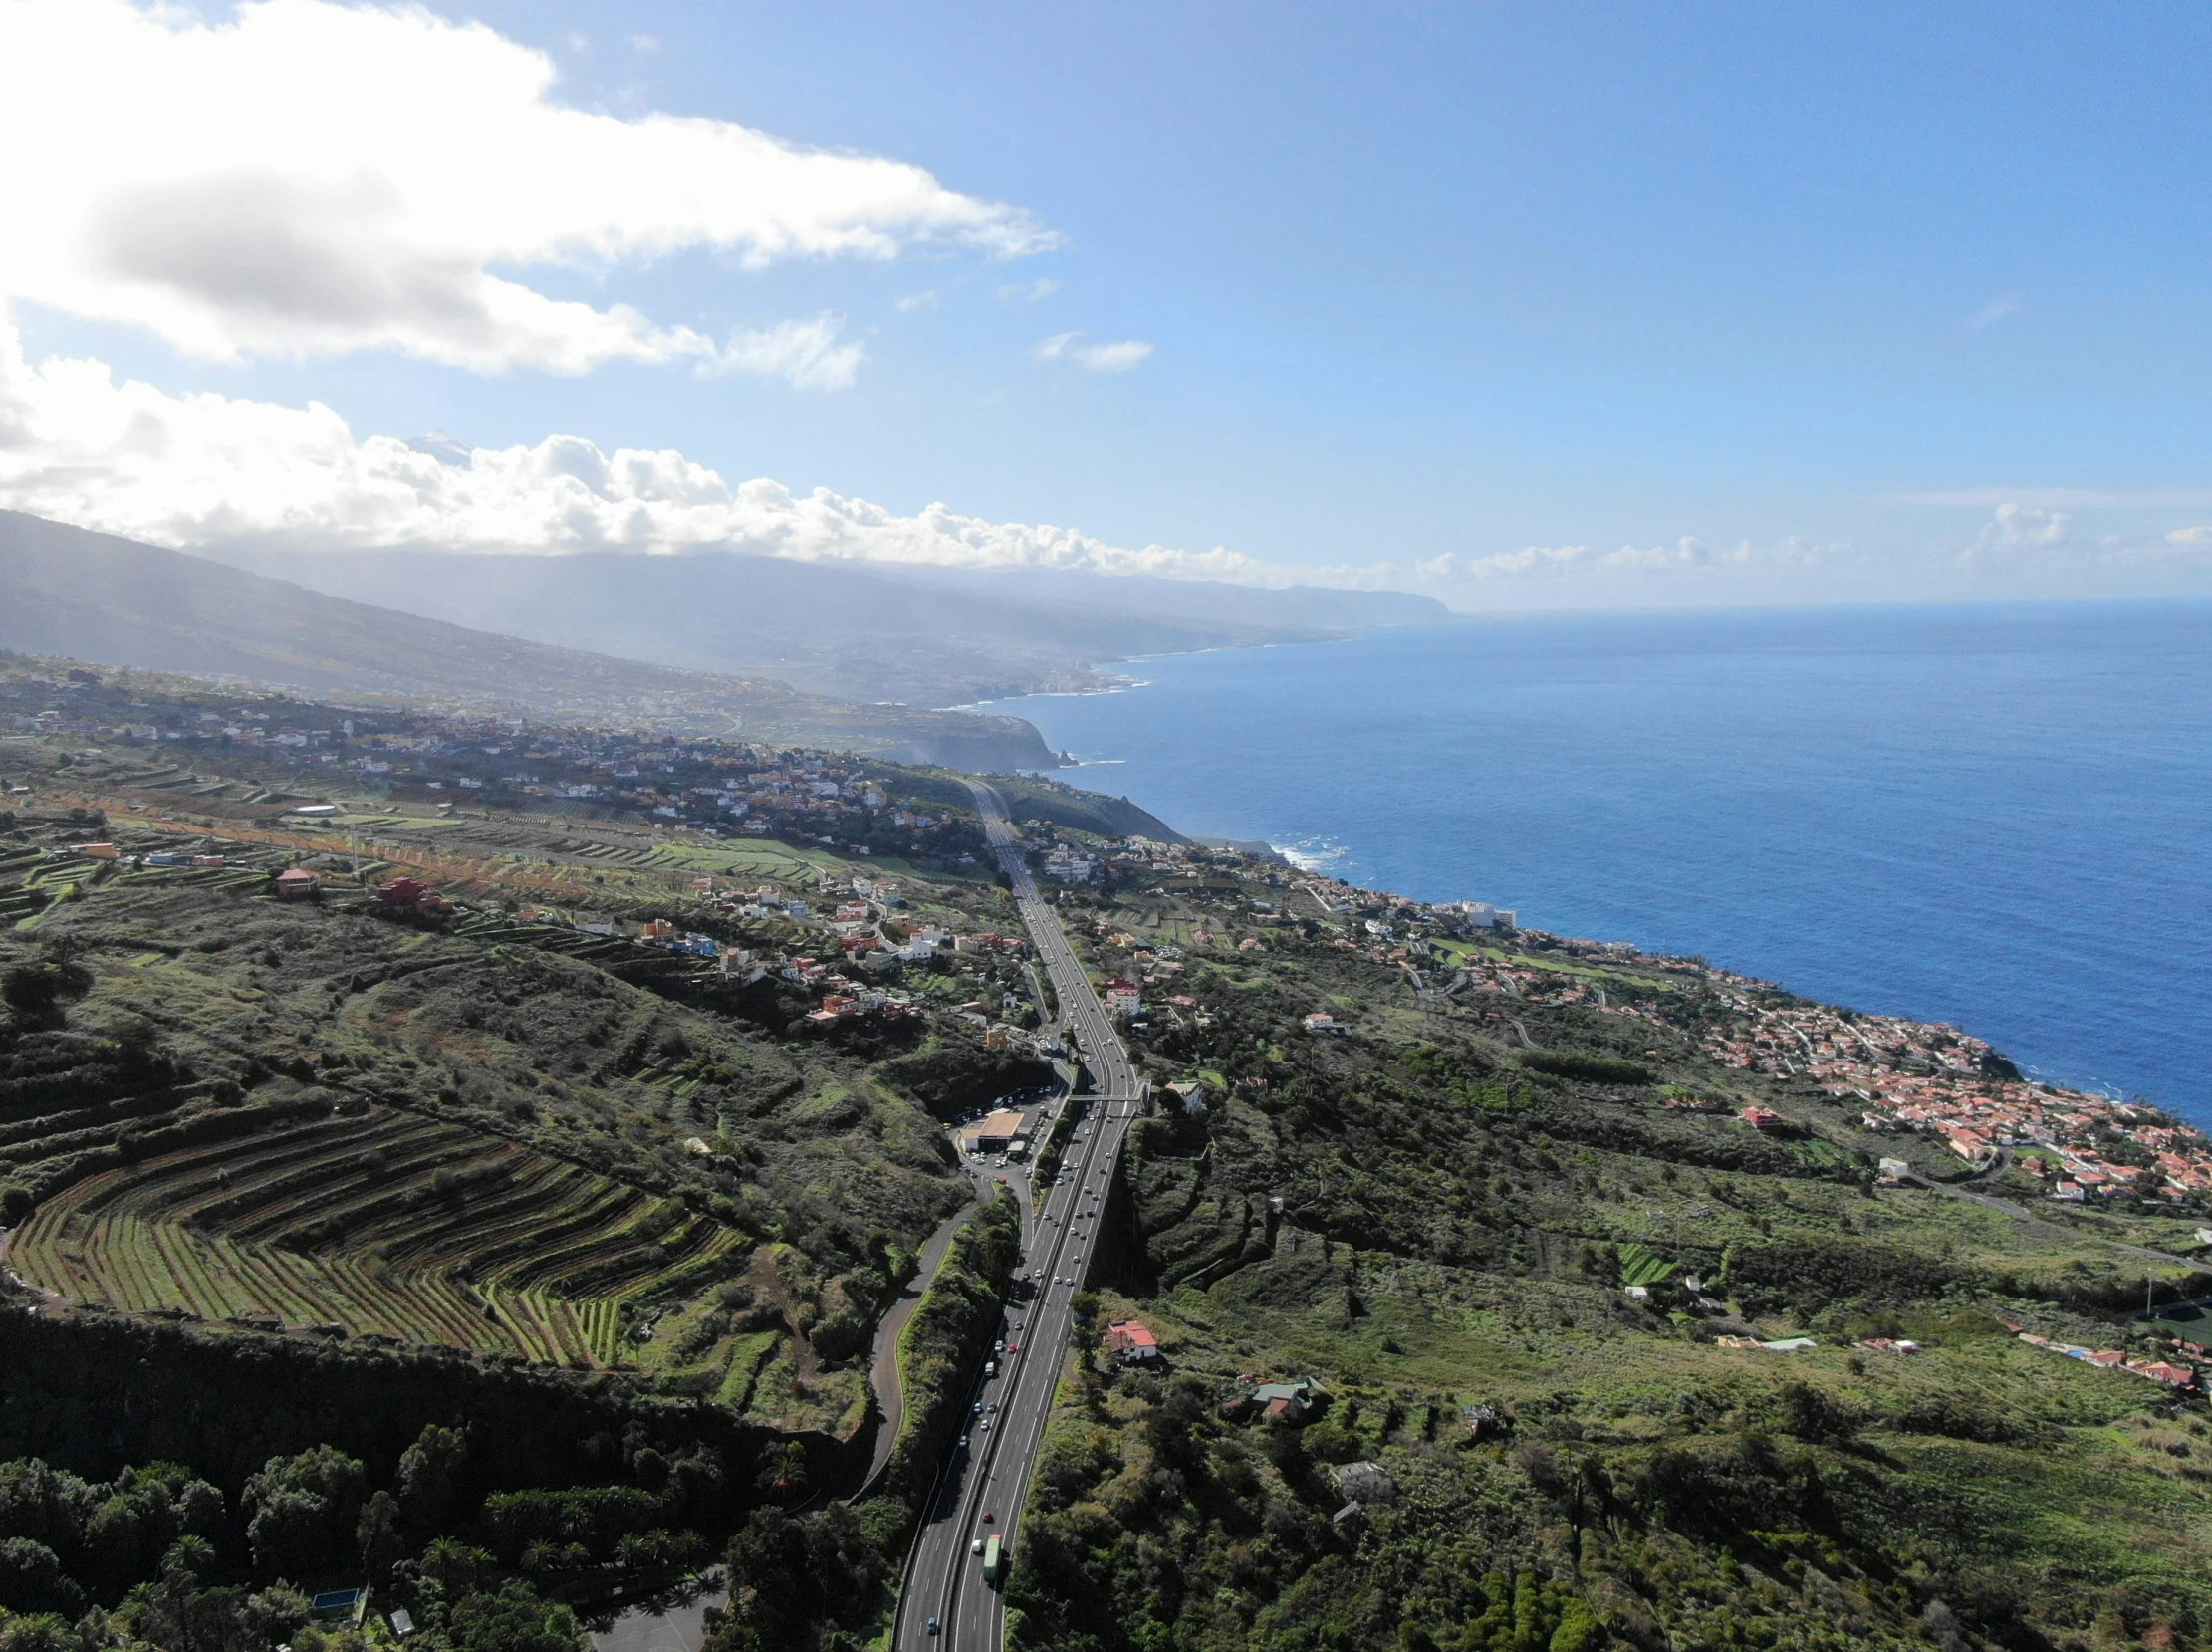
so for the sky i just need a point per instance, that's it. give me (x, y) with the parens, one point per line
(1555, 305)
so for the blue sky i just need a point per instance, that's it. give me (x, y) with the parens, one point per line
(1558, 306)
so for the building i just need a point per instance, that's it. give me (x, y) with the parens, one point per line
(1321, 1020)
(1766, 1121)
(297, 884)
(1365, 1483)
(1122, 996)
(1007, 1130)
(1286, 1402)
(1132, 1343)
(1191, 1092)
(405, 895)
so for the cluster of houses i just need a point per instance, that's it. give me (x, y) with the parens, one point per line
(1949, 1084)
(685, 786)
(2111, 1360)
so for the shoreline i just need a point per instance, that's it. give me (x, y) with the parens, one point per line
(1935, 970)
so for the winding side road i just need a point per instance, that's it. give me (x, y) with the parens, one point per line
(883, 1365)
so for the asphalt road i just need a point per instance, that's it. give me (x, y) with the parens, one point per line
(989, 1477)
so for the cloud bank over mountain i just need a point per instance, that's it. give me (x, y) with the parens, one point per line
(198, 470)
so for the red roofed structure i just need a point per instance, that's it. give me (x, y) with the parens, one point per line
(1131, 1342)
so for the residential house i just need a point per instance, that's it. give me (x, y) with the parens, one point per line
(1132, 1343)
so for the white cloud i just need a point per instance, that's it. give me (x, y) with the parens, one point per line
(806, 354)
(204, 469)
(914, 301)
(1118, 356)
(1998, 308)
(2199, 535)
(1041, 288)
(1791, 553)
(1683, 553)
(1501, 565)
(311, 179)
(644, 45)
(2015, 527)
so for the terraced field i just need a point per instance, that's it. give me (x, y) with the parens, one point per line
(383, 1224)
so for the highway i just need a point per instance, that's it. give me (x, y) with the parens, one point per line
(990, 1475)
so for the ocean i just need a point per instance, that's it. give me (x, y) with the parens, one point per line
(1999, 817)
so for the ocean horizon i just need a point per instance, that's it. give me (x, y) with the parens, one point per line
(1993, 815)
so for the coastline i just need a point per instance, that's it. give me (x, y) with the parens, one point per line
(1666, 779)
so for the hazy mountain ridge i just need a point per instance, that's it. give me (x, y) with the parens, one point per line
(95, 596)
(926, 636)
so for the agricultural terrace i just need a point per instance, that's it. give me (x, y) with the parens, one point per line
(381, 1224)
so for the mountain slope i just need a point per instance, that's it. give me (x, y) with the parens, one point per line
(66, 591)
(919, 635)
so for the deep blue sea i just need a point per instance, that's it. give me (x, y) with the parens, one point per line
(1994, 815)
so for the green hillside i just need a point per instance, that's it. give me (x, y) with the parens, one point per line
(65, 590)
(1589, 1263)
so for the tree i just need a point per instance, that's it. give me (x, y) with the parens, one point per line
(1818, 1417)
(516, 1619)
(31, 1579)
(429, 1474)
(44, 1632)
(301, 1509)
(271, 1617)
(377, 1535)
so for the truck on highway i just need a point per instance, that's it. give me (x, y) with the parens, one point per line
(994, 1559)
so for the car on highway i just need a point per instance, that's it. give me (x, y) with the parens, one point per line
(976, 1548)
(933, 1628)
(1013, 1347)
(963, 1442)
(979, 1408)
(988, 1517)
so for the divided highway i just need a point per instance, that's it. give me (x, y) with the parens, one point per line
(980, 1493)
